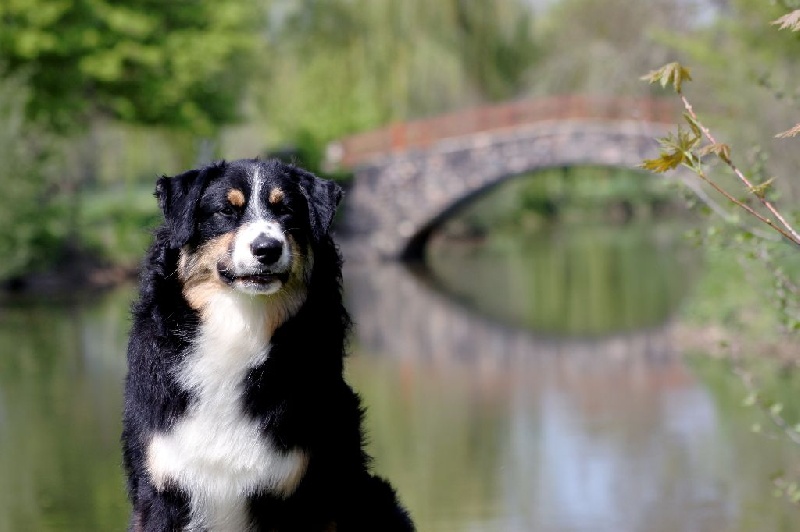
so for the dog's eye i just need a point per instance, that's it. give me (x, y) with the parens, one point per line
(227, 211)
(281, 209)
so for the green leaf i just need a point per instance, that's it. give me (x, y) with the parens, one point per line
(670, 74)
(664, 163)
(693, 124)
(676, 149)
(762, 189)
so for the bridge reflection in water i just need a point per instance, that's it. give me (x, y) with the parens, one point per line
(487, 427)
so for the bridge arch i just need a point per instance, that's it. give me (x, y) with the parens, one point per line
(414, 247)
(399, 198)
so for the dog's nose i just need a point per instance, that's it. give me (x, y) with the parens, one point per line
(266, 249)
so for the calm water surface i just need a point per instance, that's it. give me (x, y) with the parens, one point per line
(521, 386)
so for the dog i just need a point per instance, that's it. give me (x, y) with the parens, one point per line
(237, 416)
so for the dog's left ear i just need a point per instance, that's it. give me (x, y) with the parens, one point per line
(323, 197)
(178, 197)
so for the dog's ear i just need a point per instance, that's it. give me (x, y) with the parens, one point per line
(178, 197)
(323, 197)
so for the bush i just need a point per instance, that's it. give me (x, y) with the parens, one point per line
(30, 231)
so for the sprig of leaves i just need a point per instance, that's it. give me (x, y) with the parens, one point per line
(684, 148)
(670, 74)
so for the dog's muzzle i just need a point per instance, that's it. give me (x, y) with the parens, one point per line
(261, 259)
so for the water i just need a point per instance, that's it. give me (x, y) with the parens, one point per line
(574, 412)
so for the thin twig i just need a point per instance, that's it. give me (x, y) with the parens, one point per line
(774, 416)
(795, 237)
(744, 206)
(720, 211)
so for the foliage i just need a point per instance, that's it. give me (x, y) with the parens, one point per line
(179, 63)
(747, 65)
(687, 149)
(684, 148)
(29, 225)
(341, 66)
(117, 224)
(600, 47)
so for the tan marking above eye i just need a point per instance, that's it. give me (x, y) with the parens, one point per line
(236, 197)
(276, 195)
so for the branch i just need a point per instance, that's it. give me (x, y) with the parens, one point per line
(792, 234)
(772, 413)
(702, 175)
(720, 211)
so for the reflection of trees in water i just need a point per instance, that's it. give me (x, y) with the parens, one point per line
(61, 370)
(573, 278)
(479, 422)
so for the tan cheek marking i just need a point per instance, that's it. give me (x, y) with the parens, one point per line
(276, 195)
(236, 197)
(198, 271)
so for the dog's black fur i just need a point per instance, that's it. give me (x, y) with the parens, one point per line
(297, 396)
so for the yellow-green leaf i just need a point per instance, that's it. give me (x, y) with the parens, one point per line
(671, 74)
(693, 124)
(664, 163)
(762, 189)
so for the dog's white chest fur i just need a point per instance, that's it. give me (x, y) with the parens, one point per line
(216, 452)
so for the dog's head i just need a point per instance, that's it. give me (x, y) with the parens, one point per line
(250, 226)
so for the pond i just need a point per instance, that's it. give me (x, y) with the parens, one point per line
(518, 385)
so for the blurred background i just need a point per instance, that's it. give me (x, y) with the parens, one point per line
(577, 345)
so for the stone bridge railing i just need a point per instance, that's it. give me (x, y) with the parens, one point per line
(410, 177)
(358, 149)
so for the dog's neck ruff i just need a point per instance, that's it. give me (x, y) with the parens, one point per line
(216, 452)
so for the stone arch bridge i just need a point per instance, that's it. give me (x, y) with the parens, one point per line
(410, 177)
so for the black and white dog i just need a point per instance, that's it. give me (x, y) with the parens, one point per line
(237, 416)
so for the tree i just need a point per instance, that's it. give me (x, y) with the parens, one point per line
(339, 66)
(26, 218)
(179, 63)
(183, 64)
(602, 47)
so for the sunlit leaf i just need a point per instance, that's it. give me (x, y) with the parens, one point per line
(762, 189)
(722, 150)
(789, 133)
(664, 163)
(693, 124)
(676, 149)
(789, 21)
(671, 74)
